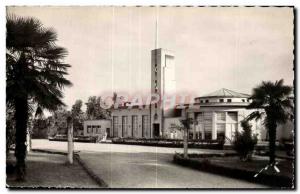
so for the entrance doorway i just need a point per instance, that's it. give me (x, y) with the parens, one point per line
(108, 132)
(156, 130)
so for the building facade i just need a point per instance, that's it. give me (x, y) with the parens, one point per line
(97, 128)
(217, 115)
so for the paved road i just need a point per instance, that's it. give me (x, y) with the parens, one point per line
(129, 166)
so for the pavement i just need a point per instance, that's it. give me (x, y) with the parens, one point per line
(50, 171)
(132, 166)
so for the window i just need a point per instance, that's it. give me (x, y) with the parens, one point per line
(206, 101)
(232, 117)
(243, 100)
(134, 125)
(201, 101)
(124, 125)
(89, 129)
(220, 116)
(228, 100)
(199, 117)
(115, 126)
(155, 116)
(248, 100)
(155, 105)
(221, 100)
(99, 129)
(220, 127)
(145, 125)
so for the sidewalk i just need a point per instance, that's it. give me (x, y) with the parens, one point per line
(50, 170)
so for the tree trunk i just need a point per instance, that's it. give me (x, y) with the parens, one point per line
(70, 141)
(185, 143)
(272, 143)
(21, 116)
(28, 141)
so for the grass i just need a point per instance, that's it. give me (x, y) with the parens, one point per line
(232, 166)
(257, 163)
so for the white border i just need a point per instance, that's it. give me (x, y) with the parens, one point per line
(4, 3)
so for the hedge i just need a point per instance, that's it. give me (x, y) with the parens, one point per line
(278, 181)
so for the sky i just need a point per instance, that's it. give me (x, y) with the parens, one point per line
(215, 47)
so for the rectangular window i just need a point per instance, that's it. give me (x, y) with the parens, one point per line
(89, 128)
(228, 100)
(220, 116)
(145, 126)
(221, 100)
(98, 129)
(206, 101)
(220, 127)
(207, 115)
(124, 126)
(232, 117)
(134, 125)
(200, 117)
(115, 126)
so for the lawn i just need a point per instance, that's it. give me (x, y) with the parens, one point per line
(258, 162)
(231, 166)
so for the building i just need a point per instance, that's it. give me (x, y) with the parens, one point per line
(97, 127)
(148, 122)
(215, 116)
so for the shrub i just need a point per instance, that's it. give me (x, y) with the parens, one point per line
(244, 141)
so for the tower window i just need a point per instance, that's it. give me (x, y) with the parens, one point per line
(221, 100)
(155, 105)
(228, 100)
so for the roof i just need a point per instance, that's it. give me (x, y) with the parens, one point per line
(225, 93)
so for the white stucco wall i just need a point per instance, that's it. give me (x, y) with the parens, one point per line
(104, 125)
(119, 113)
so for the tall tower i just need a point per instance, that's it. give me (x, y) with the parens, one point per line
(163, 84)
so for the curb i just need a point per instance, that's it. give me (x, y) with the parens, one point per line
(96, 178)
(101, 182)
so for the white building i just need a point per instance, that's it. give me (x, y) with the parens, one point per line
(97, 127)
(216, 115)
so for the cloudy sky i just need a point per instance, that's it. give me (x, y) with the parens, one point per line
(109, 48)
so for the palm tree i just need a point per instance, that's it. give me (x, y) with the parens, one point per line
(34, 72)
(274, 106)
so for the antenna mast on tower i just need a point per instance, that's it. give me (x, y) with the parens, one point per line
(156, 29)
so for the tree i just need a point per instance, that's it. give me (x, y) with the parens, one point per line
(185, 126)
(94, 109)
(34, 71)
(58, 122)
(77, 116)
(245, 141)
(273, 99)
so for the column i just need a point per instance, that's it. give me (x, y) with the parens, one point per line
(214, 127)
(202, 131)
(228, 134)
(194, 125)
